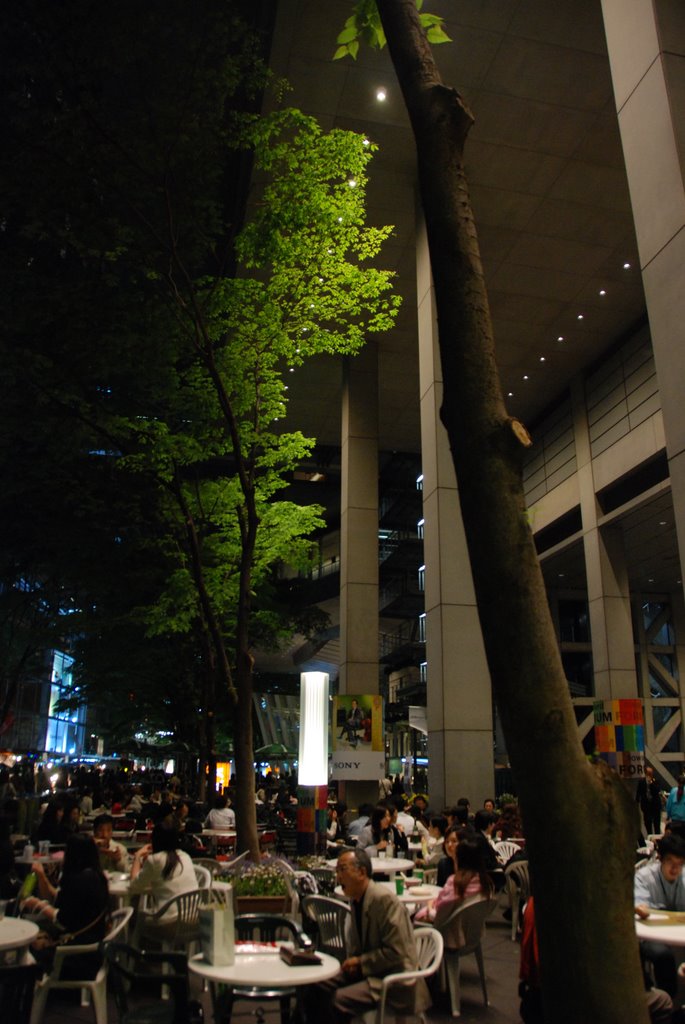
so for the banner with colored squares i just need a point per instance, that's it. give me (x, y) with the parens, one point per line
(620, 736)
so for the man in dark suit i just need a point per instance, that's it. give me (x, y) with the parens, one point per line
(380, 941)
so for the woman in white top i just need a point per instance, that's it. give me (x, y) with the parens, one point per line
(221, 816)
(162, 871)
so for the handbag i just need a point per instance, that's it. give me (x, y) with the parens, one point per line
(44, 940)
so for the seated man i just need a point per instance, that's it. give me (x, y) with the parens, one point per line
(380, 941)
(660, 885)
(221, 817)
(113, 856)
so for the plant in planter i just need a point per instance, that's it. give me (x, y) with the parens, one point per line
(260, 888)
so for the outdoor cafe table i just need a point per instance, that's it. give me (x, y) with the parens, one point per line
(15, 934)
(258, 965)
(412, 895)
(384, 865)
(667, 926)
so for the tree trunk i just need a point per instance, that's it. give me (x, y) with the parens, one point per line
(580, 821)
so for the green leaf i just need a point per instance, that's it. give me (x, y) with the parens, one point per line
(342, 51)
(437, 34)
(348, 34)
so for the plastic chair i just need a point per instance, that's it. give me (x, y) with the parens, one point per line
(235, 861)
(92, 989)
(517, 890)
(214, 867)
(505, 849)
(462, 930)
(16, 991)
(429, 948)
(261, 928)
(325, 880)
(174, 932)
(331, 917)
(129, 972)
(203, 875)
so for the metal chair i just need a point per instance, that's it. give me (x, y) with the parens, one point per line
(330, 917)
(92, 989)
(517, 891)
(261, 928)
(16, 991)
(429, 948)
(174, 932)
(129, 972)
(462, 930)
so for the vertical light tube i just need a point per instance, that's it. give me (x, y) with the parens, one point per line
(313, 760)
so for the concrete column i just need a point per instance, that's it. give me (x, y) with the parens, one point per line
(359, 525)
(646, 43)
(460, 726)
(608, 586)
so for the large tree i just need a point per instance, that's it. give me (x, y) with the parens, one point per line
(165, 327)
(580, 821)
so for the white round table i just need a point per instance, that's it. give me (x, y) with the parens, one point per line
(412, 895)
(260, 966)
(668, 928)
(384, 865)
(15, 934)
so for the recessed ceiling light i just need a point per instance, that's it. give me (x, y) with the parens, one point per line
(561, 575)
(542, 359)
(626, 266)
(510, 394)
(381, 95)
(581, 316)
(651, 579)
(602, 291)
(560, 338)
(525, 376)
(292, 369)
(662, 522)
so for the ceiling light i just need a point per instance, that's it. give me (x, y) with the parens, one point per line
(292, 369)
(381, 95)
(560, 338)
(561, 575)
(626, 266)
(542, 359)
(525, 376)
(510, 394)
(581, 316)
(602, 291)
(651, 579)
(662, 523)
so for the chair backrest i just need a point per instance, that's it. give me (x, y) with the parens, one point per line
(505, 849)
(130, 968)
(118, 923)
(236, 861)
(462, 928)
(268, 928)
(517, 878)
(325, 880)
(331, 917)
(429, 949)
(203, 875)
(213, 866)
(16, 991)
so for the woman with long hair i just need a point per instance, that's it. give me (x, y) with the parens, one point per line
(469, 879)
(77, 912)
(162, 870)
(374, 836)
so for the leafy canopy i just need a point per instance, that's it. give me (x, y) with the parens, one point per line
(364, 26)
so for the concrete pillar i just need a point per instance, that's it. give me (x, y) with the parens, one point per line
(460, 726)
(359, 540)
(646, 43)
(608, 586)
(359, 525)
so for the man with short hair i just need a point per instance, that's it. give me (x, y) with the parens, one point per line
(660, 885)
(113, 856)
(380, 941)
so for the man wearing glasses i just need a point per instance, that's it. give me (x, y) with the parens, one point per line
(380, 941)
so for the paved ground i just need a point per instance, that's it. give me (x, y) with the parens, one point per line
(501, 965)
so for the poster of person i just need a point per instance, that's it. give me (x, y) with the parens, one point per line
(358, 741)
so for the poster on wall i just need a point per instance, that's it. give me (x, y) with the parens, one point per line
(620, 736)
(357, 739)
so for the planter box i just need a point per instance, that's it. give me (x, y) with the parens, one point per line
(262, 904)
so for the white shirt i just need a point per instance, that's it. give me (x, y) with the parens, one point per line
(162, 889)
(220, 818)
